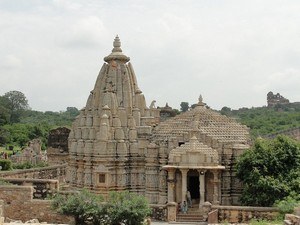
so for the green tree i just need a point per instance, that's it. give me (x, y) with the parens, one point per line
(225, 111)
(17, 102)
(4, 136)
(4, 111)
(73, 111)
(184, 106)
(269, 171)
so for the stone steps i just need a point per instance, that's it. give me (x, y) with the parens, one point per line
(194, 216)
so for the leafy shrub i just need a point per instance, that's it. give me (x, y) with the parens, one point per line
(28, 165)
(5, 164)
(288, 204)
(84, 206)
(88, 208)
(127, 207)
(22, 166)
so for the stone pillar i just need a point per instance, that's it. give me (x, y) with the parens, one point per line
(171, 184)
(202, 186)
(184, 183)
(216, 189)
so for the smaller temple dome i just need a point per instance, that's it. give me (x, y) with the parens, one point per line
(194, 155)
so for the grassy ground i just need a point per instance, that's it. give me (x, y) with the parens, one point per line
(3, 149)
(266, 222)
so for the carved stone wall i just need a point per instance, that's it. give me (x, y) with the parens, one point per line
(52, 172)
(42, 188)
(159, 212)
(243, 214)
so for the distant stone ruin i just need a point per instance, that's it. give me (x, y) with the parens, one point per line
(32, 153)
(166, 112)
(57, 151)
(58, 138)
(277, 99)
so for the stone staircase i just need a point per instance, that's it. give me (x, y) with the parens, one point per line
(193, 215)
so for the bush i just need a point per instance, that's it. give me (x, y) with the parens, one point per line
(5, 164)
(127, 207)
(88, 208)
(83, 206)
(28, 165)
(288, 204)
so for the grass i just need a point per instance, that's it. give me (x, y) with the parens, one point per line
(266, 222)
(9, 152)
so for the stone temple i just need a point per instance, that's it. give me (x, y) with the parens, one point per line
(119, 143)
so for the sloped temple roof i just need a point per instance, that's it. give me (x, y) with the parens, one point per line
(205, 121)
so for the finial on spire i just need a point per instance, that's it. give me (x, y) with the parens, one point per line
(117, 45)
(116, 53)
(200, 99)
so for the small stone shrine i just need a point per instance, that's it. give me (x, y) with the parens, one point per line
(118, 143)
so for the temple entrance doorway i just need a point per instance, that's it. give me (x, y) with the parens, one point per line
(193, 185)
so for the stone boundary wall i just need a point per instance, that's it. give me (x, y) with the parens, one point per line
(57, 172)
(243, 214)
(43, 188)
(1, 212)
(20, 205)
(291, 219)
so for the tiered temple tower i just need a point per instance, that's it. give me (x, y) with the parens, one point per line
(105, 151)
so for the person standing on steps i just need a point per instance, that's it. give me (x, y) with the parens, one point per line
(184, 207)
(189, 198)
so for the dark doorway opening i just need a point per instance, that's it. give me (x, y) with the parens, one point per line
(193, 187)
(180, 143)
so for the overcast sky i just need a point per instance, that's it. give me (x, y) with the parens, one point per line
(232, 52)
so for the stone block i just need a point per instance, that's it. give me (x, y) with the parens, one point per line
(213, 217)
(172, 210)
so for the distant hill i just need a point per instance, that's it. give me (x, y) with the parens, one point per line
(264, 121)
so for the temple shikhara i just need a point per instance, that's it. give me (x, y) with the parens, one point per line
(118, 142)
